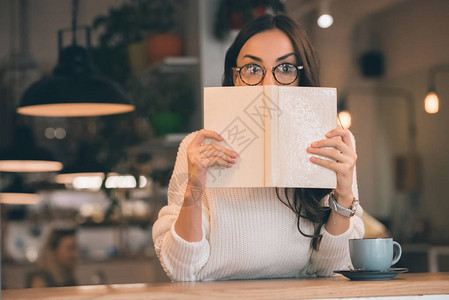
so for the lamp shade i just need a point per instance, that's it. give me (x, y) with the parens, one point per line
(325, 19)
(345, 119)
(67, 176)
(19, 198)
(85, 165)
(18, 193)
(344, 116)
(25, 156)
(431, 102)
(74, 90)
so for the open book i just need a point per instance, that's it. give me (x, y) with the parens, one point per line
(270, 127)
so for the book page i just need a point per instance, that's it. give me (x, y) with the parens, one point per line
(237, 113)
(307, 114)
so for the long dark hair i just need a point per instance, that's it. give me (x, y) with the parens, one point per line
(305, 203)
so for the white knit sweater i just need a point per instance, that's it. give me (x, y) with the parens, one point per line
(247, 233)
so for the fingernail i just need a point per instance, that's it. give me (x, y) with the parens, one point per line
(314, 144)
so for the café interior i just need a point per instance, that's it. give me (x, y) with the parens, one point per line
(103, 168)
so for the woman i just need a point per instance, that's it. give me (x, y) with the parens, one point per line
(244, 233)
(57, 262)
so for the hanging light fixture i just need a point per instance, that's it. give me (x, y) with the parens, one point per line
(85, 169)
(18, 193)
(25, 156)
(325, 19)
(344, 116)
(431, 102)
(74, 89)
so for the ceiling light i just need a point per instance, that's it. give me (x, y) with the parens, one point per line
(431, 103)
(325, 19)
(18, 193)
(25, 156)
(345, 119)
(85, 166)
(344, 116)
(74, 89)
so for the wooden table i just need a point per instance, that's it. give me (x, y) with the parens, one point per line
(334, 287)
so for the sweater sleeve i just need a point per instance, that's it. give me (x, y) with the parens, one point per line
(181, 260)
(333, 253)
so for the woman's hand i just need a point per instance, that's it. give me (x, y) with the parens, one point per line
(200, 157)
(343, 161)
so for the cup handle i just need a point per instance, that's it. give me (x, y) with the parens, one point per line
(398, 252)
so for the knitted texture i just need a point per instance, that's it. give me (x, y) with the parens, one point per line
(247, 233)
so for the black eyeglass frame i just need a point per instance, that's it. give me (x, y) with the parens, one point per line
(273, 69)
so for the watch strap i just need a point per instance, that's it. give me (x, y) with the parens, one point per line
(347, 212)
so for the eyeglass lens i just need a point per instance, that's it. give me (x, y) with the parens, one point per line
(253, 74)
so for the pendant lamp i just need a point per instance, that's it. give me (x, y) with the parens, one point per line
(18, 193)
(431, 102)
(75, 89)
(344, 116)
(325, 19)
(85, 166)
(25, 156)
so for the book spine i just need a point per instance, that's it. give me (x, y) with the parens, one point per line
(270, 121)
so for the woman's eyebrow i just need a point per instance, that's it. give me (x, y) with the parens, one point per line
(260, 60)
(285, 56)
(253, 57)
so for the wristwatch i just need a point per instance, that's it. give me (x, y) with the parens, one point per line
(347, 212)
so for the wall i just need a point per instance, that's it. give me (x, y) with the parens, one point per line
(212, 51)
(338, 56)
(414, 36)
(46, 17)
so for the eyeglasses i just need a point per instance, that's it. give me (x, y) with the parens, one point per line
(253, 74)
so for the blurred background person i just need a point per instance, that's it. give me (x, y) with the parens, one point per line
(57, 263)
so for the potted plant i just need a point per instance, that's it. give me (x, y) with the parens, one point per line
(125, 29)
(166, 99)
(121, 36)
(234, 14)
(163, 39)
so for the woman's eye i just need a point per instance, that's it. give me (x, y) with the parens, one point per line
(253, 69)
(286, 68)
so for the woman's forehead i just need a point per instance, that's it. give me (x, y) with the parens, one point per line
(268, 45)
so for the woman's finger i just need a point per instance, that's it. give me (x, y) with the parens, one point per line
(225, 150)
(330, 153)
(203, 134)
(328, 164)
(218, 161)
(336, 143)
(211, 152)
(216, 149)
(345, 135)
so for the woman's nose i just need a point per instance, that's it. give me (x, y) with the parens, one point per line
(269, 79)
